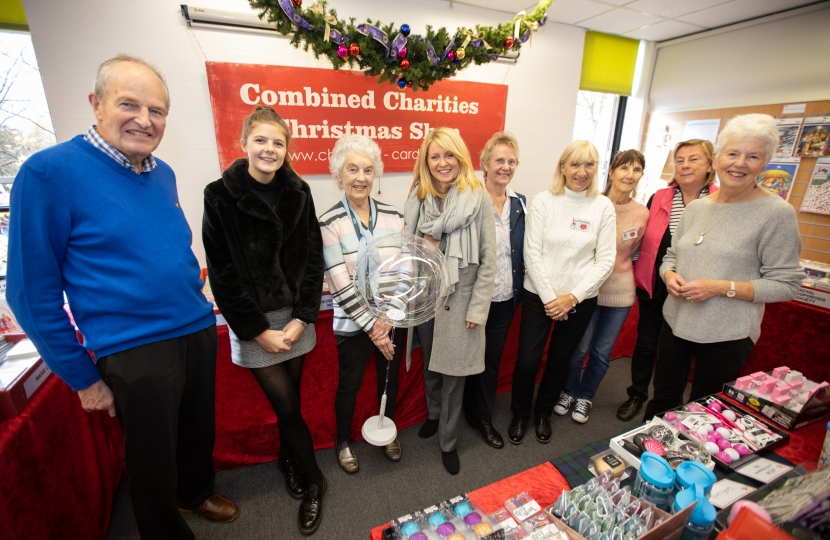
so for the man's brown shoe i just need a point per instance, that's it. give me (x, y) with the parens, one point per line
(215, 508)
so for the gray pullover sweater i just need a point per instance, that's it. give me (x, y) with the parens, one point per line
(758, 241)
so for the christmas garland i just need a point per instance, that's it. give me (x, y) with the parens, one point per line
(395, 54)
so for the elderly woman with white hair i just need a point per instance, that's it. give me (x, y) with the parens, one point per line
(347, 228)
(732, 252)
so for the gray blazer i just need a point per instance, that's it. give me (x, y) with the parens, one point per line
(456, 350)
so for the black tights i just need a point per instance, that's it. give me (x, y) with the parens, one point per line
(281, 384)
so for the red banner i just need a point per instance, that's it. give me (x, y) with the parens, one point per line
(321, 105)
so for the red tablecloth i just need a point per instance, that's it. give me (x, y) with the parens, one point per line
(60, 468)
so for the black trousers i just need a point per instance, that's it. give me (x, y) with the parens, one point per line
(716, 364)
(645, 349)
(480, 390)
(164, 400)
(354, 353)
(533, 335)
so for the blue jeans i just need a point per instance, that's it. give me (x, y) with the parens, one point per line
(599, 337)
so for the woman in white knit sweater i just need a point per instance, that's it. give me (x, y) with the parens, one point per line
(616, 296)
(569, 251)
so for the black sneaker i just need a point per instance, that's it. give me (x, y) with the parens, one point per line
(564, 404)
(581, 411)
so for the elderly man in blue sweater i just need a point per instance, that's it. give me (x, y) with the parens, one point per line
(98, 218)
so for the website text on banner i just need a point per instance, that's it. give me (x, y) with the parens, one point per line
(321, 105)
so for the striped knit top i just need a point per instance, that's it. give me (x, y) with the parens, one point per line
(340, 246)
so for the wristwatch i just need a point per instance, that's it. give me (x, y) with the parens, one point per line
(301, 322)
(731, 292)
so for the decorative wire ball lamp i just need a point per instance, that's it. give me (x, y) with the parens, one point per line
(403, 279)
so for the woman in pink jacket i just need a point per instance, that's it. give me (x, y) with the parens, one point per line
(693, 179)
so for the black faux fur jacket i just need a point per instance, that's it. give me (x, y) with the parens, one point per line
(261, 259)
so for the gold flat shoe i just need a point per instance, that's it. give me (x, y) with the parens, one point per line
(346, 458)
(393, 450)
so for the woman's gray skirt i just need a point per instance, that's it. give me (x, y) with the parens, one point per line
(250, 355)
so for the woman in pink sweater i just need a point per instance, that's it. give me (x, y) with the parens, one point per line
(616, 296)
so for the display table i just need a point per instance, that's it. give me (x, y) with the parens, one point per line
(60, 467)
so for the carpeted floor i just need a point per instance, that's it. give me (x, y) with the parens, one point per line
(383, 490)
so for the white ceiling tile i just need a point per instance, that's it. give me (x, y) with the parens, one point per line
(664, 30)
(573, 11)
(733, 12)
(619, 21)
(510, 6)
(672, 8)
(616, 2)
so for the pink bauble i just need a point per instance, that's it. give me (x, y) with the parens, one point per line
(711, 438)
(451, 55)
(724, 457)
(723, 444)
(402, 52)
(715, 406)
(670, 416)
(342, 51)
(741, 449)
(732, 454)
(694, 407)
(717, 436)
(716, 425)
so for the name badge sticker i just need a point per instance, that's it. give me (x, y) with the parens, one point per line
(629, 234)
(580, 225)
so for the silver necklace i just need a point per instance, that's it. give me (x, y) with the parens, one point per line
(699, 240)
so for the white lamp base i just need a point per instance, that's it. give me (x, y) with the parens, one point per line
(379, 436)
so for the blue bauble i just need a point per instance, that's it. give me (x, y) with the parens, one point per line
(457, 61)
(405, 29)
(401, 83)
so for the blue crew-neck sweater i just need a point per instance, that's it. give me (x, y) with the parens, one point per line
(116, 242)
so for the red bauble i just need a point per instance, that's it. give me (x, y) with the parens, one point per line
(354, 49)
(509, 42)
(404, 64)
(297, 2)
(409, 84)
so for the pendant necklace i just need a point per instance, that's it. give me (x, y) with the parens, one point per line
(699, 240)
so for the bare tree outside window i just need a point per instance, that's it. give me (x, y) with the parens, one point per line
(595, 116)
(25, 125)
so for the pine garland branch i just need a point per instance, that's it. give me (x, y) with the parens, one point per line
(372, 56)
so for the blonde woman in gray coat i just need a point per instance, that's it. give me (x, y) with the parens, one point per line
(448, 205)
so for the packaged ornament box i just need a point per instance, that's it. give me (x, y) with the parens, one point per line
(785, 396)
(730, 435)
(661, 438)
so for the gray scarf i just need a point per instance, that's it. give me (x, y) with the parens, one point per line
(456, 222)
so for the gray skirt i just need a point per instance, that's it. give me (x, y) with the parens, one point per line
(250, 355)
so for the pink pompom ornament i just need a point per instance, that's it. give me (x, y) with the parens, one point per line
(723, 457)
